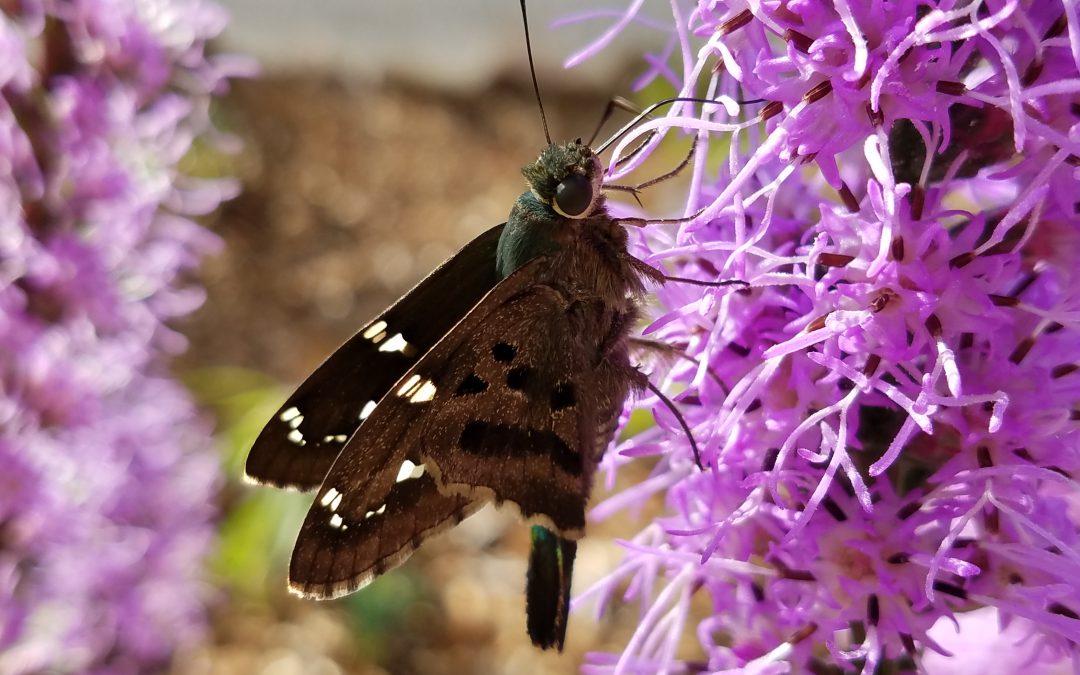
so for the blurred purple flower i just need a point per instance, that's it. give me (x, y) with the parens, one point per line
(107, 474)
(889, 413)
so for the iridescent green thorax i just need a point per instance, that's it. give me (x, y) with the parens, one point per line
(528, 233)
(536, 224)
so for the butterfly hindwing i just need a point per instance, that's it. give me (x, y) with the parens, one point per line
(334, 557)
(518, 416)
(300, 443)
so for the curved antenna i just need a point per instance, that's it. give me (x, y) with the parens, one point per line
(532, 71)
(648, 111)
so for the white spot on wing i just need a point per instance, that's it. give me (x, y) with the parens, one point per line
(366, 411)
(289, 414)
(398, 343)
(408, 471)
(337, 521)
(336, 438)
(330, 495)
(374, 329)
(379, 511)
(425, 393)
(336, 503)
(406, 389)
(295, 422)
(296, 437)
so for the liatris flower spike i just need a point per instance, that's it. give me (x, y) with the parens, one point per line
(889, 413)
(106, 472)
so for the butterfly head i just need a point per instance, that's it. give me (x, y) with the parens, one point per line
(567, 177)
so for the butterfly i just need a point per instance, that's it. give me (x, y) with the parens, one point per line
(498, 378)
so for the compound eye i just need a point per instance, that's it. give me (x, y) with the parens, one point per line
(573, 196)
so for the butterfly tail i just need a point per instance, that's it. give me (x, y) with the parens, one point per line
(547, 587)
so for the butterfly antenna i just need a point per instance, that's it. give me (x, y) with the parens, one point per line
(532, 71)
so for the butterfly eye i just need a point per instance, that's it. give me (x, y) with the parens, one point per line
(573, 196)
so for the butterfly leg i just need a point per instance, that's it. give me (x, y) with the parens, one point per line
(640, 382)
(642, 222)
(639, 345)
(617, 102)
(636, 189)
(682, 421)
(646, 270)
(621, 103)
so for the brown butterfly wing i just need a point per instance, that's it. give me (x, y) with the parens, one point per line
(307, 433)
(362, 521)
(526, 408)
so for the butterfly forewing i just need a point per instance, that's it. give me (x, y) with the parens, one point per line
(300, 443)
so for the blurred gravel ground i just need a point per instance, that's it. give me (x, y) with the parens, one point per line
(352, 194)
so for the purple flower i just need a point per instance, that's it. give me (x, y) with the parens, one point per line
(888, 413)
(107, 473)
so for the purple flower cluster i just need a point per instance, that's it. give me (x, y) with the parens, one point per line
(889, 412)
(107, 473)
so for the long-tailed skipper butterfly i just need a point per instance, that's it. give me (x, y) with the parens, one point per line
(498, 378)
